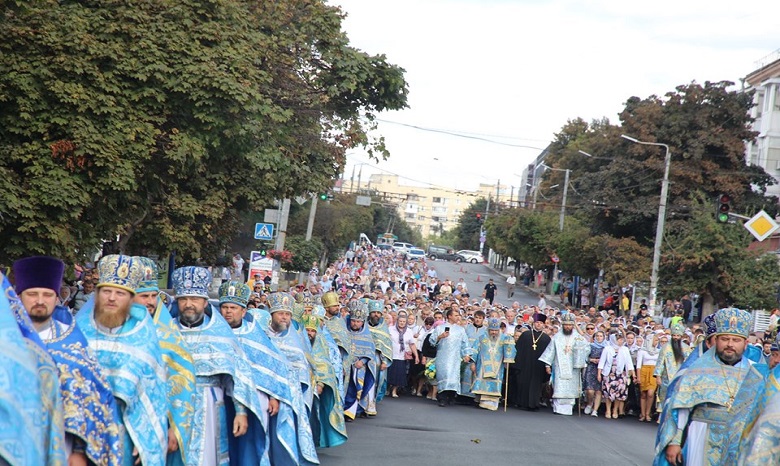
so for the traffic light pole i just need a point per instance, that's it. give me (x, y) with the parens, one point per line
(284, 212)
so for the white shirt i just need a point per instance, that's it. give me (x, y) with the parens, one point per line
(511, 280)
(542, 303)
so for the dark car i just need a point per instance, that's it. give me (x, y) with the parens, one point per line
(444, 253)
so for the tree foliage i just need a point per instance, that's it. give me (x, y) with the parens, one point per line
(710, 257)
(165, 122)
(469, 226)
(623, 260)
(618, 189)
(304, 253)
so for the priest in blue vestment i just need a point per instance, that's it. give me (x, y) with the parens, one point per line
(290, 437)
(713, 400)
(227, 403)
(337, 326)
(291, 342)
(328, 410)
(384, 348)
(25, 427)
(474, 331)
(361, 389)
(91, 416)
(492, 352)
(122, 336)
(178, 362)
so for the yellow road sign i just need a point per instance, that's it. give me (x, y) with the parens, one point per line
(761, 226)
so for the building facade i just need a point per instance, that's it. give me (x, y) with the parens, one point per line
(765, 150)
(430, 210)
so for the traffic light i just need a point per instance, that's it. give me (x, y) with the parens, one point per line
(479, 218)
(323, 196)
(724, 207)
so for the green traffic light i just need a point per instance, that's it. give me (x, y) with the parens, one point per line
(723, 218)
(324, 197)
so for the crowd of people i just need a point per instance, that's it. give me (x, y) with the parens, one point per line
(129, 373)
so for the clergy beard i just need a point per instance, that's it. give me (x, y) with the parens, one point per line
(279, 327)
(373, 320)
(111, 318)
(39, 313)
(677, 350)
(567, 332)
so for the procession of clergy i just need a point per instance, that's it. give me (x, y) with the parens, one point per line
(137, 378)
(140, 377)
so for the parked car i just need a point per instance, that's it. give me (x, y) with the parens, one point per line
(475, 257)
(402, 247)
(415, 254)
(384, 247)
(444, 253)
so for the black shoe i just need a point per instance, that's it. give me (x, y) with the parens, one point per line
(363, 415)
(442, 403)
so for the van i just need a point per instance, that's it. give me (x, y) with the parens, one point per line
(444, 253)
(402, 247)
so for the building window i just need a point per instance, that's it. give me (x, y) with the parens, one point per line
(440, 210)
(440, 200)
(411, 216)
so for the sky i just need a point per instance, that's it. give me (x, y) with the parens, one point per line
(515, 71)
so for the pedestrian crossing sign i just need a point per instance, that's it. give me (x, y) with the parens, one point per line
(264, 231)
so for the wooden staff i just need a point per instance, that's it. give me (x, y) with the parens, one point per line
(506, 384)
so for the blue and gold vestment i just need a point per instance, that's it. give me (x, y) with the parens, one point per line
(49, 417)
(90, 409)
(132, 363)
(700, 390)
(292, 441)
(220, 361)
(181, 378)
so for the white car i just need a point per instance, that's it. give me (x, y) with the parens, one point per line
(475, 257)
(415, 254)
(402, 247)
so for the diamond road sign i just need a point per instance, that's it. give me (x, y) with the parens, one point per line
(761, 226)
(264, 231)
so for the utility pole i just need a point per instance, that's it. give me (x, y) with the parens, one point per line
(498, 185)
(563, 204)
(312, 214)
(284, 212)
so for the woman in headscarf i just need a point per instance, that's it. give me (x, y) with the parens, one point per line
(645, 363)
(404, 350)
(592, 384)
(615, 373)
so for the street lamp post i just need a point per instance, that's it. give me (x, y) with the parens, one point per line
(565, 191)
(659, 229)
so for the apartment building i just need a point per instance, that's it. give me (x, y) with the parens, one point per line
(765, 150)
(430, 209)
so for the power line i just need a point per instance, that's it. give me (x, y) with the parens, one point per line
(467, 135)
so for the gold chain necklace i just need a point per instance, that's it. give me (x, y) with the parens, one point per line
(732, 395)
(536, 339)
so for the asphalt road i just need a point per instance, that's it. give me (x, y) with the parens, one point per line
(476, 276)
(415, 431)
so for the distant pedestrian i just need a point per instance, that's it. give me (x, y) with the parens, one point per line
(542, 304)
(510, 285)
(490, 291)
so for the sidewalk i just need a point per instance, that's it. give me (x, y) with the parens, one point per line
(529, 289)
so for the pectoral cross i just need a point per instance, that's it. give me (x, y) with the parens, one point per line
(731, 402)
(534, 346)
(567, 349)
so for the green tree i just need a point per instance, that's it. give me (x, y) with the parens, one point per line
(712, 258)
(623, 260)
(617, 191)
(164, 123)
(469, 226)
(304, 252)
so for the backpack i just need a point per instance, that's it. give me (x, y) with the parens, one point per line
(428, 350)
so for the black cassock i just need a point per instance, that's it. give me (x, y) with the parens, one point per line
(528, 374)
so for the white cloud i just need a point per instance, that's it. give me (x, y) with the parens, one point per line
(522, 68)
